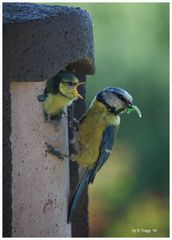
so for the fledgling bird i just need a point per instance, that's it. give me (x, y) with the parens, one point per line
(96, 134)
(60, 91)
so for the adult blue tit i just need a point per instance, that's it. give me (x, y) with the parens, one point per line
(60, 91)
(96, 134)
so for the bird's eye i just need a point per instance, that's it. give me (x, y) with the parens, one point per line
(129, 104)
(121, 97)
(70, 83)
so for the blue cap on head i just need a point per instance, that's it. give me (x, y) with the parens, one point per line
(122, 94)
(117, 100)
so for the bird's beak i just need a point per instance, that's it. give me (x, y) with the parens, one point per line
(75, 91)
(80, 83)
(133, 107)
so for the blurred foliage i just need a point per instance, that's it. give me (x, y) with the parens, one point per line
(132, 51)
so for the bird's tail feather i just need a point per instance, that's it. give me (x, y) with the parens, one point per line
(84, 179)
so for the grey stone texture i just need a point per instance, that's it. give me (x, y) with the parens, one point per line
(38, 41)
(40, 181)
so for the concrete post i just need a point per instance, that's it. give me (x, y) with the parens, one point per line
(39, 40)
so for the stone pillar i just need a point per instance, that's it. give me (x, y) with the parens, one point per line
(39, 40)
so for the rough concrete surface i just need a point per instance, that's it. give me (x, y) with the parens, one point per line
(40, 39)
(40, 181)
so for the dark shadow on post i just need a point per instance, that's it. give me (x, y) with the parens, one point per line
(7, 163)
(80, 226)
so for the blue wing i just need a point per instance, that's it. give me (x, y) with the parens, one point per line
(83, 182)
(108, 140)
(88, 176)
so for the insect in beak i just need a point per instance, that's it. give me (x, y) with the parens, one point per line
(133, 107)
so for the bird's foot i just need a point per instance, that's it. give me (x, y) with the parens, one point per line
(64, 113)
(55, 152)
(74, 124)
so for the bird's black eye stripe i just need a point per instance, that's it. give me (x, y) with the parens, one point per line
(70, 83)
(122, 98)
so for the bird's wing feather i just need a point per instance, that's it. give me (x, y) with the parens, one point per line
(79, 189)
(52, 84)
(88, 175)
(108, 139)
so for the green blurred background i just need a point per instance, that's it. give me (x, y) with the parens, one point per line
(130, 193)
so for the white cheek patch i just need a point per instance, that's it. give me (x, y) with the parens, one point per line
(119, 104)
(108, 151)
(113, 101)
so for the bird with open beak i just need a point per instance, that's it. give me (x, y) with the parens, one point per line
(60, 91)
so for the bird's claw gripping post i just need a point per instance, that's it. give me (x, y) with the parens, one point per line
(74, 124)
(55, 152)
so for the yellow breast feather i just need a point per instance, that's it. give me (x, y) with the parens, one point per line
(55, 103)
(90, 136)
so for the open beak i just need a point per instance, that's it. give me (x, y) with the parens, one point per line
(75, 91)
(80, 83)
(133, 107)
